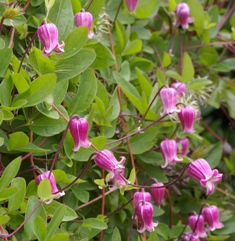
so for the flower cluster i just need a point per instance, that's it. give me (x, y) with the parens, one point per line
(208, 220)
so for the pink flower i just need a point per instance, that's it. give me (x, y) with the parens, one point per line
(180, 88)
(144, 213)
(211, 216)
(106, 160)
(52, 180)
(118, 180)
(182, 13)
(158, 192)
(196, 223)
(187, 117)
(168, 98)
(79, 128)
(48, 35)
(184, 143)
(141, 197)
(201, 171)
(132, 5)
(169, 152)
(84, 19)
(190, 236)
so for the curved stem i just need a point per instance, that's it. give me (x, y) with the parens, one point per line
(119, 7)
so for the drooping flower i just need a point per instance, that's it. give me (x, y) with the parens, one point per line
(168, 98)
(106, 160)
(187, 117)
(169, 152)
(84, 19)
(158, 192)
(141, 197)
(144, 213)
(190, 236)
(132, 5)
(180, 88)
(48, 35)
(196, 223)
(211, 216)
(52, 180)
(182, 14)
(201, 171)
(118, 180)
(184, 144)
(79, 128)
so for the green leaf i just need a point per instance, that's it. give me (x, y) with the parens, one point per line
(230, 100)
(96, 8)
(17, 140)
(122, 37)
(60, 237)
(188, 69)
(61, 14)
(94, 223)
(146, 7)
(7, 193)
(20, 83)
(5, 89)
(198, 84)
(38, 91)
(163, 230)
(44, 189)
(166, 59)
(132, 47)
(116, 235)
(104, 57)
(73, 66)
(40, 228)
(9, 173)
(55, 222)
(41, 64)
(144, 83)
(5, 58)
(81, 195)
(17, 199)
(214, 154)
(153, 237)
(85, 94)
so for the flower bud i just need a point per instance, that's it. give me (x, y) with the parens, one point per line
(201, 171)
(182, 14)
(211, 216)
(79, 128)
(132, 5)
(84, 19)
(158, 192)
(169, 152)
(48, 35)
(187, 117)
(141, 197)
(168, 98)
(180, 88)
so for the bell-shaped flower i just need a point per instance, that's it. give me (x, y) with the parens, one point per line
(48, 35)
(144, 213)
(187, 117)
(84, 19)
(132, 5)
(168, 98)
(54, 189)
(196, 223)
(158, 192)
(201, 171)
(169, 152)
(184, 144)
(211, 216)
(190, 236)
(182, 14)
(141, 197)
(79, 128)
(180, 88)
(118, 179)
(106, 160)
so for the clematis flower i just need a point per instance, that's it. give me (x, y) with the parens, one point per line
(184, 143)
(190, 236)
(169, 152)
(132, 5)
(144, 213)
(158, 192)
(211, 216)
(141, 196)
(106, 160)
(187, 117)
(198, 220)
(79, 128)
(180, 88)
(182, 14)
(201, 171)
(84, 19)
(168, 98)
(118, 180)
(52, 180)
(48, 35)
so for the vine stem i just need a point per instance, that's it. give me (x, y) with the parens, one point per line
(102, 205)
(170, 207)
(12, 37)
